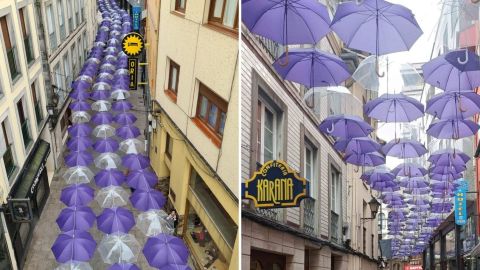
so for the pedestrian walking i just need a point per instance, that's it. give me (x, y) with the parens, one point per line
(173, 217)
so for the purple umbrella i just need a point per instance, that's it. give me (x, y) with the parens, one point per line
(80, 129)
(125, 118)
(345, 126)
(448, 157)
(442, 186)
(74, 246)
(76, 218)
(146, 200)
(79, 143)
(376, 26)
(127, 132)
(383, 185)
(79, 106)
(124, 266)
(106, 145)
(101, 118)
(101, 95)
(81, 85)
(452, 129)
(135, 161)
(417, 191)
(287, 22)
(122, 106)
(454, 105)
(79, 95)
(409, 169)
(359, 145)
(114, 220)
(394, 108)
(142, 179)
(109, 177)
(446, 71)
(445, 177)
(389, 197)
(77, 195)
(82, 158)
(404, 148)
(368, 159)
(164, 250)
(454, 169)
(377, 175)
(312, 67)
(413, 182)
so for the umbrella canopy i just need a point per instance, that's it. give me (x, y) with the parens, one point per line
(135, 161)
(376, 26)
(452, 129)
(132, 146)
(445, 177)
(454, 169)
(163, 250)
(367, 159)
(101, 106)
(124, 266)
(120, 94)
(103, 131)
(78, 130)
(404, 148)
(383, 185)
(287, 22)
(410, 170)
(112, 196)
(77, 195)
(80, 143)
(74, 245)
(394, 108)
(77, 175)
(128, 132)
(73, 265)
(100, 95)
(107, 161)
(119, 248)
(454, 105)
(413, 182)
(359, 145)
(146, 200)
(447, 157)
(101, 86)
(142, 179)
(154, 222)
(109, 177)
(377, 175)
(312, 67)
(101, 118)
(122, 106)
(79, 95)
(115, 220)
(345, 126)
(80, 117)
(76, 218)
(79, 106)
(82, 158)
(106, 145)
(125, 118)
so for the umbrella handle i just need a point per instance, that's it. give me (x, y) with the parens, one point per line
(330, 130)
(286, 58)
(377, 68)
(463, 62)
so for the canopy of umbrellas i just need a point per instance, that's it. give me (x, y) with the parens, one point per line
(98, 146)
(417, 198)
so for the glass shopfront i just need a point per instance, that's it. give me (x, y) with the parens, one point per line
(436, 254)
(450, 250)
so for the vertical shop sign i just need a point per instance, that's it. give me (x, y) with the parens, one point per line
(132, 45)
(461, 202)
(136, 14)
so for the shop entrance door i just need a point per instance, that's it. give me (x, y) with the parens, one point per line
(260, 260)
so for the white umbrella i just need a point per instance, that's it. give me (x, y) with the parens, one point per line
(101, 86)
(105, 75)
(325, 91)
(73, 265)
(112, 196)
(119, 248)
(154, 222)
(108, 66)
(111, 49)
(121, 71)
(80, 117)
(120, 94)
(107, 161)
(84, 78)
(101, 106)
(78, 175)
(132, 146)
(103, 131)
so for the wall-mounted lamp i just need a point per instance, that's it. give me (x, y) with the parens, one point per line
(374, 205)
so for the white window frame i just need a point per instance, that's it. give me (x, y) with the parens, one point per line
(263, 107)
(313, 168)
(336, 190)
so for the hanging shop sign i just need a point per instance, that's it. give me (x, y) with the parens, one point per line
(461, 202)
(132, 72)
(412, 267)
(21, 210)
(133, 45)
(136, 14)
(276, 185)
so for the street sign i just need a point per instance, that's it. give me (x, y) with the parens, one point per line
(132, 72)
(461, 202)
(136, 14)
(132, 44)
(276, 185)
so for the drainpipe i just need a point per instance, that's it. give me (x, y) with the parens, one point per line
(47, 75)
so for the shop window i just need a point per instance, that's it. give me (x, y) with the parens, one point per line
(450, 249)
(436, 253)
(224, 13)
(180, 5)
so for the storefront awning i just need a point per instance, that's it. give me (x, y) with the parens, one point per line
(469, 37)
(29, 176)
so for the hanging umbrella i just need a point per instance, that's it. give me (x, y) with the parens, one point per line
(109, 177)
(106, 145)
(410, 170)
(394, 108)
(132, 146)
(120, 94)
(73, 265)
(100, 95)
(101, 106)
(124, 266)
(77, 195)
(122, 106)
(403, 148)
(413, 182)
(119, 248)
(287, 22)
(103, 131)
(359, 145)
(79, 106)
(107, 161)
(368, 159)
(454, 105)
(105, 75)
(128, 132)
(112, 196)
(80, 117)
(77, 130)
(102, 86)
(79, 94)
(102, 118)
(312, 67)
(79, 143)
(345, 126)
(383, 185)
(82, 158)
(142, 179)
(163, 250)
(416, 191)
(115, 220)
(135, 161)
(454, 71)
(76, 218)
(447, 157)
(377, 175)
(154, 222)
(74, 245)
(125, 118)
(146, 200)
(454, 169)
(390, 197)
(452, 129)
(77, 175)
(450, 176)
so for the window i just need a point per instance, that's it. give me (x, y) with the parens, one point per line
(70, 16)
(364, 240)
(82, 9)
(335, 202)
(65, 121)
(373, 245)
(24, 125)
(74, 59)
(85, 46)
(211, 110)
(61, 19)
(80, 50)
(68, 75)
(224, 12)
(37, 103)
(266, 133)
(6, 149)
(180, 5)
(59, 81)
(52, 37)
(77, 12)
(169, 146)
(9, 41)
(173, 77)
(27, 41)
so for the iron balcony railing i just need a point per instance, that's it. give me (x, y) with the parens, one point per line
(27, 138)
(38, 113)
(62, 32)
(271, 47)
(53, 41)
(309, 216)
(272, 214)
(334, 225)
(9, 160)
(28, 49)
(12, 62)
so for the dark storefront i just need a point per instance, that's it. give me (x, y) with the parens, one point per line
(29, 192)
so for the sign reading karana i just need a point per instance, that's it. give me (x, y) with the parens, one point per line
(276, 185)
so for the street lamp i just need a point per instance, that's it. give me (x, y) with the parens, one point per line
(374, 205)
(52, 109)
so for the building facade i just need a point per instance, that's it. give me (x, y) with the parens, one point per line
(193, 54)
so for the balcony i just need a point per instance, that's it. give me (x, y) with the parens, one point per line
(38, 113)
(27, 138)
(52, 38)
(271, 47)
(9, 160)
(62, 32)
(12, 63)
(309, 216)
(334, 226)
(28, 49)
(272, 214)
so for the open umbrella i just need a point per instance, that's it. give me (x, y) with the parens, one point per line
(154, 222)
(77, 130)
(101, 106)
(454, 169)
(345, 126)
(119, 248)
(124, 266)
(454, 105)
(135, 161)
(359, 145)
(73, 265)
(82, 158)
(142, 179)
(122, 106)
(77, 175)
(100, 95)
(76, 218)
(377, 175)
(410, 170)
(125, 118)
(394, 108)
(77, 195)
(107, 161)
(132, 146)
(112, 196)
(79, 143)
(146, 200)
(413, 182)
(80, 117)
(115, 220)
(109, 177)
(128, 132)
(101, 118)
(102, 86)
(79, 106)
(163, 250)
(120, 94)
(79, 95)
(404, 148)
(74, 245)
(447, 157)
(106, 145)
(452, 129)
(368, 159)
(103, 131)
